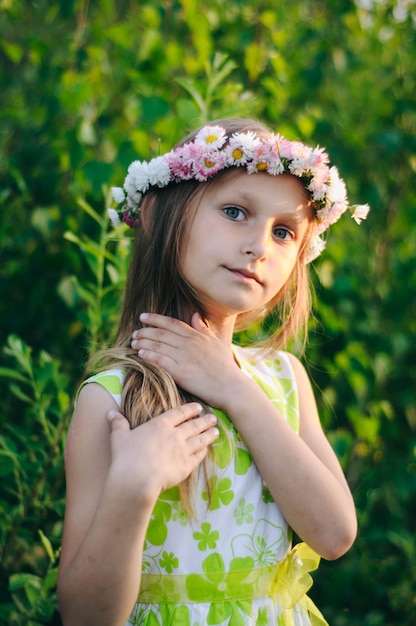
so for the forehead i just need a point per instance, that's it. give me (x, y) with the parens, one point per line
(279, 194)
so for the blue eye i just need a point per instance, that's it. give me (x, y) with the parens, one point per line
(234, 213)
(282, 233)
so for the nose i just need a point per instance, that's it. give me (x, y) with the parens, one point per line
(257, 243)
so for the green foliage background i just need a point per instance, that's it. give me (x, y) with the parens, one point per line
(86, 88)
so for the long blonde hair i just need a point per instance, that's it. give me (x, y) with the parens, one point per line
(155, 283)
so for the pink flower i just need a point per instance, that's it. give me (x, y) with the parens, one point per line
(265, 159)
(318, 157)
(207, 164)
(284, 146)
(181, 161)
(129, 219)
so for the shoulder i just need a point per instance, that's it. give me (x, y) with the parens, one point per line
(283, 366)
(89, 428)
(110, 380)
(308, 411)
(89, 424)
(280, 364)
(298, 369)
(301, 376)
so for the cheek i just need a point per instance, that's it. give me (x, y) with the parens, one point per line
(281, 270)
(190, 261)
(285, 260)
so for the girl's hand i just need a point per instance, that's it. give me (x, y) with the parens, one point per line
(162, 452)
(196, 359)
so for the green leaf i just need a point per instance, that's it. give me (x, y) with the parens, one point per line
(17, 391)
(47, 546)
(19, 581)
(193, 91)
(17, 349)
(6, 372)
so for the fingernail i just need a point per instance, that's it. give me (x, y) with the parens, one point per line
(111, 415)
(134, 335)
(144, 316)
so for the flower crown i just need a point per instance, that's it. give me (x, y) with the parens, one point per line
(212, 151)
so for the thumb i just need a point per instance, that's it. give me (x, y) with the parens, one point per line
(117, 421)
(199, 324)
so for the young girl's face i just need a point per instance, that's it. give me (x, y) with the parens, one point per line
(244, 239)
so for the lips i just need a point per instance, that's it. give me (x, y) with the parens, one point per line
(246, 273)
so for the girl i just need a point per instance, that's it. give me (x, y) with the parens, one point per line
(182, 514)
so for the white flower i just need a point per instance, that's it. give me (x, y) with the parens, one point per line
(301, 155)
(213, 137)
(113, 215)
(336, 191)
(235, 155)
(118, 194)
(138, 176)
(129, 185)
(318, 192)
(298, 167)
(158, 172)
(248, 141)
(316, 246)
(323, 214)
(300, 151)
(134, 200)
(275, 166)
(360, 212)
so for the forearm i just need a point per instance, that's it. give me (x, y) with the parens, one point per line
(100, 585)
(316, 502)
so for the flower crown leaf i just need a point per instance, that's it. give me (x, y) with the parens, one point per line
(213, 151)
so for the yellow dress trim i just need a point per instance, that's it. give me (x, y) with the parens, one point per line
(287, 582)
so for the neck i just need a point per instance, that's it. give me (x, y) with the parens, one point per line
(223, 328)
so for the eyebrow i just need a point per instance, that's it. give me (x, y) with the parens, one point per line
(247, 196)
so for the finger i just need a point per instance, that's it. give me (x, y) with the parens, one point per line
(164, 321)
(117, 421)
(201, 442)
(184, 413)
(166, 362)
(200, 425)
(200, 455)
(154, 339)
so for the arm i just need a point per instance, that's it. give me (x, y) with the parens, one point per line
(302, 472)
(114, 476)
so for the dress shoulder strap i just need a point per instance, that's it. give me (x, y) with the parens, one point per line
(275, 375)
(112, 380)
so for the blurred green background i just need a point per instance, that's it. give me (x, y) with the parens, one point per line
(86, 87)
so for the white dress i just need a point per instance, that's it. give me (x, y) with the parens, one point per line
(232, 564)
